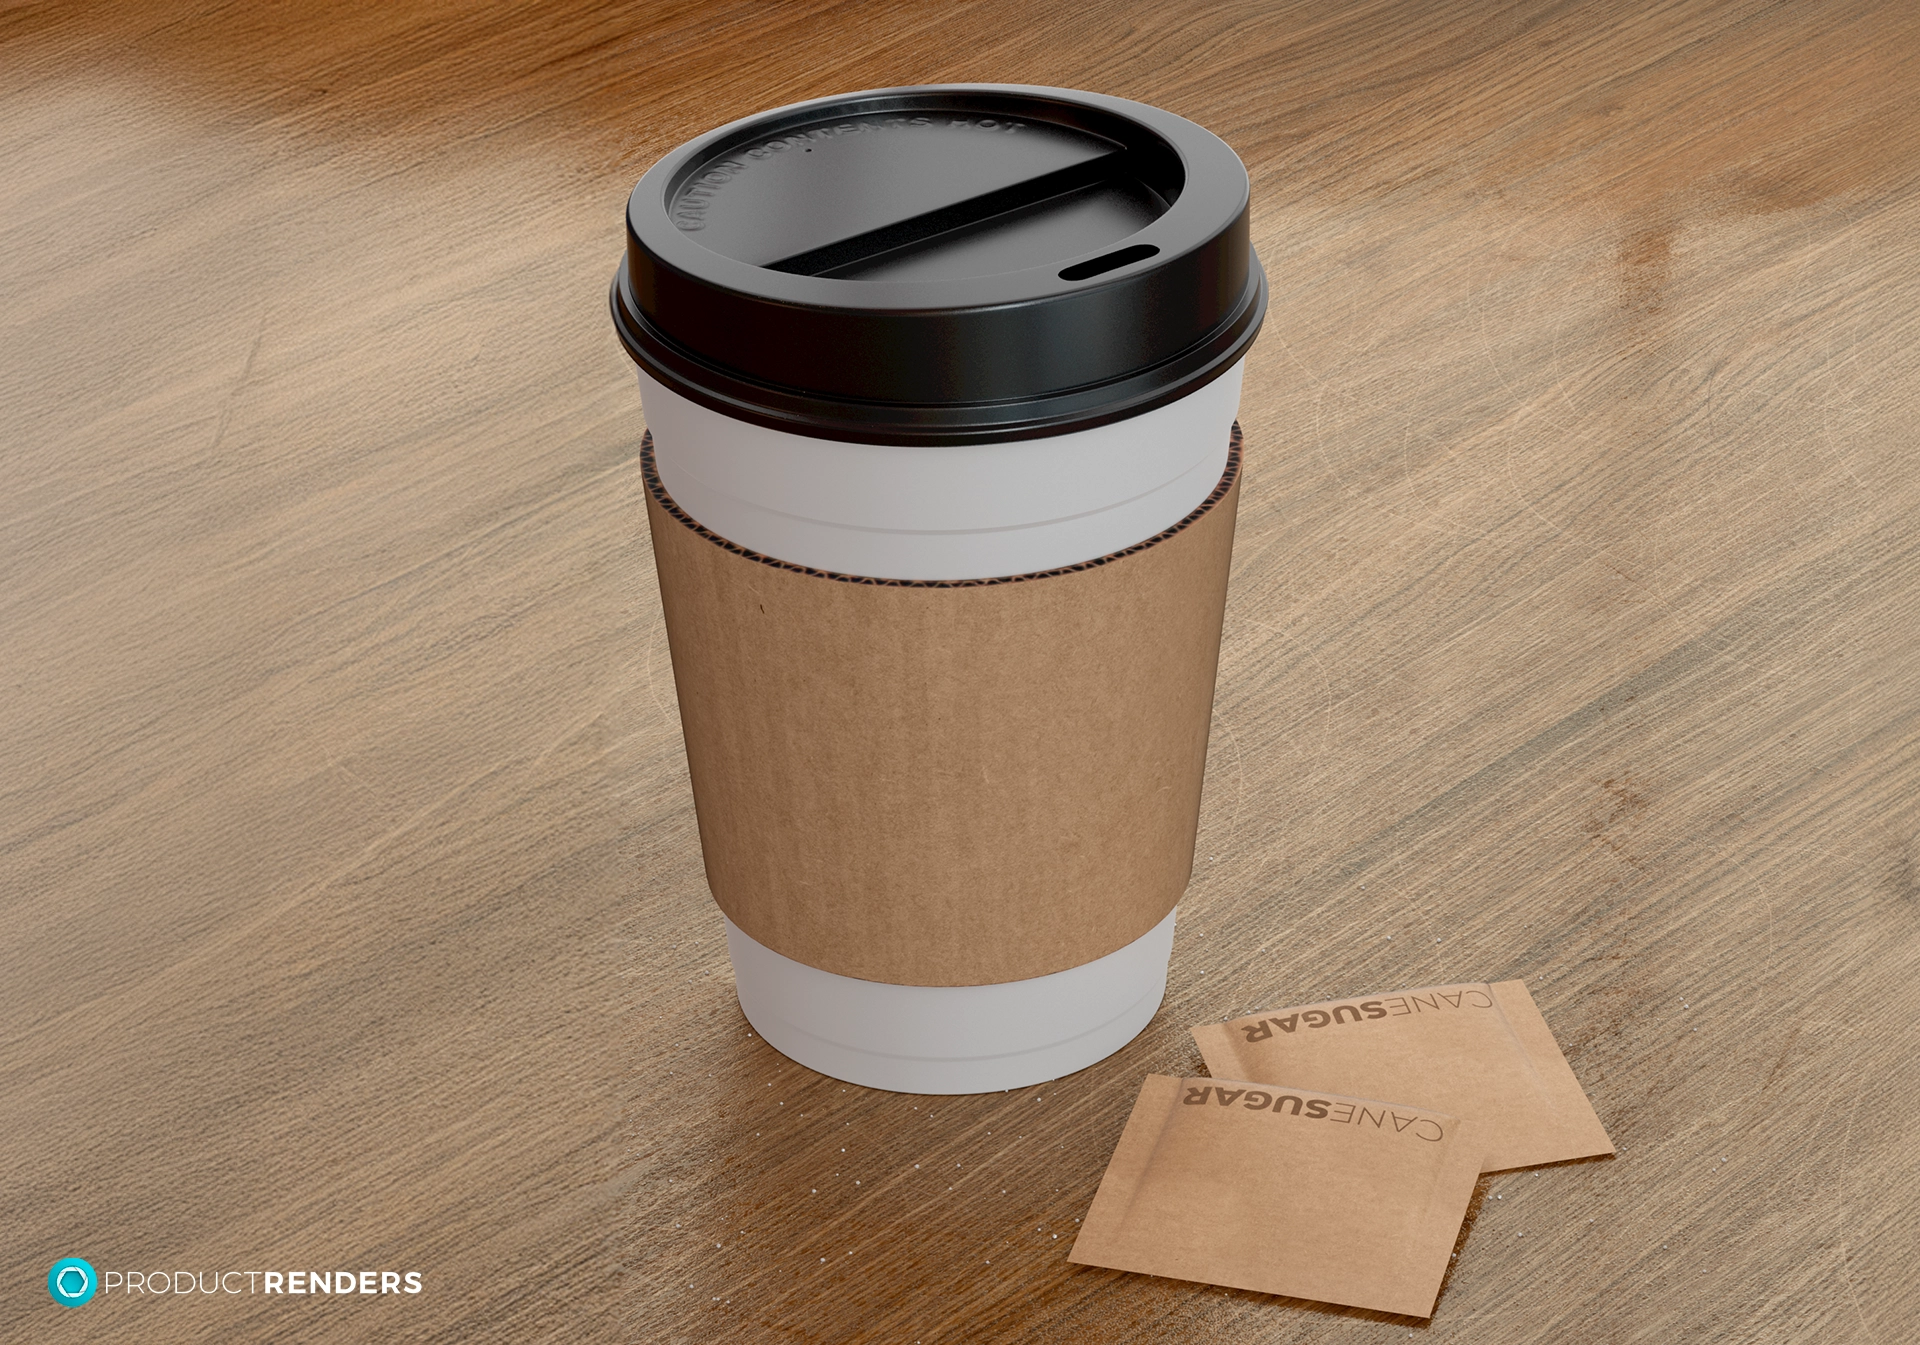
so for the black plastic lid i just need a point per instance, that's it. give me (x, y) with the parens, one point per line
(941, 264)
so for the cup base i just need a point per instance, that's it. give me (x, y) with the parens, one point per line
(951, 1038)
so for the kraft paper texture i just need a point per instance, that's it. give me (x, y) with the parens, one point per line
(1284, 1191)
(946, 783)
(1478, 1051)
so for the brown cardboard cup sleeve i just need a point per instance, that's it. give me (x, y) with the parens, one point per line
(1284, 1191)
(1479, 1051)
(946, 783)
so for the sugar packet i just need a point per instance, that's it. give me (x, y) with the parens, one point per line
(1478, 1051)
(1284, 1191)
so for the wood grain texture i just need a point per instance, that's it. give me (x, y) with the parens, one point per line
(351, 890)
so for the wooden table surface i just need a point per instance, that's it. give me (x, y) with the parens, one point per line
(353, 907)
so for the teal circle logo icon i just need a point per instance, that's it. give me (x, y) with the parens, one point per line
(71, 1282)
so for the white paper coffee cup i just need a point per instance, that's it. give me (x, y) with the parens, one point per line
(784, 458)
